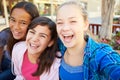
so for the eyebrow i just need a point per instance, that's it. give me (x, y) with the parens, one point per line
(24, 21)
(44, 34)
(20, 20)
(58, 19)
(11, 17)
(68, 18)
(40, 33)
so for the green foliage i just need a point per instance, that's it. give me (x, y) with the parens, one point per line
(114, 42)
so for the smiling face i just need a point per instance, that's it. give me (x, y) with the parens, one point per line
(38, 39)
(19, 21)
(71, 25)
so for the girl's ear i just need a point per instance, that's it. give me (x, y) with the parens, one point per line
(86, 25)
(51, 43)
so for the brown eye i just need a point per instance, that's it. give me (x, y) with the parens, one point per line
(73, 21)
(12, 19)
(31, 31)
(59, 22)
(43, 36)
(23, 23)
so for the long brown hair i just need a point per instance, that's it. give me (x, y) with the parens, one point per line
(48, 55)
(31, 9)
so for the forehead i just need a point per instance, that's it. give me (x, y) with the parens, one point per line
(42, 29)
(69, 11)
(20, 13)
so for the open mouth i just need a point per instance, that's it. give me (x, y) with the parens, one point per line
(33, 46)
(67, 38)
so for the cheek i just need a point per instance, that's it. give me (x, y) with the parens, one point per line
(24, 31)
(23, 35)
(27, 40)
(11, 26)
(44, 43)
(28, 36)
(44, 46)
(58, 30)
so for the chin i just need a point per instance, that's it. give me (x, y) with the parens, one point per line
(68, 45)
(16, 37)
(31, 52)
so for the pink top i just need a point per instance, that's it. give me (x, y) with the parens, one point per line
(18, 54)
(28, 68)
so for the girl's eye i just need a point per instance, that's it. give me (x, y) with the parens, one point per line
(23, 23)
(42, 36)
(59, 23)
(12, 20)
(31, 31)
(72, 21)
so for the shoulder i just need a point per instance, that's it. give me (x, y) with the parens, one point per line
(105, 55)
(20, 44)
(101, 50)
(58, 58)
(5, 31)
(98, 51)
(105, 49)
(19, 47)
(97, 47)
(53, 74)
(57, 61)
(4, 36)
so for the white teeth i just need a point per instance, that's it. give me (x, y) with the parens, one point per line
(33, 45)
(68, 39)
(70, 34)
(66, 35)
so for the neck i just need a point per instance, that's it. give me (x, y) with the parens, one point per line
(74, 56)
(77, 50)
(33, 58)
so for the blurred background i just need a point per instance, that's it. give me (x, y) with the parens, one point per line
(48, 8)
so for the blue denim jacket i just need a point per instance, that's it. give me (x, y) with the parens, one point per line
(101, 62)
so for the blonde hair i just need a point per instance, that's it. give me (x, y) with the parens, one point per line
(78, 4)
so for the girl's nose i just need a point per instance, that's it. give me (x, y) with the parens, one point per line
(16, 25)
(65, 27)
(35, 38)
